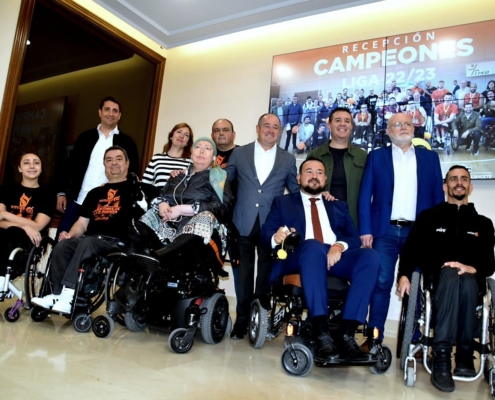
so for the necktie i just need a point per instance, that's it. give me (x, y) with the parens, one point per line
(316, 220)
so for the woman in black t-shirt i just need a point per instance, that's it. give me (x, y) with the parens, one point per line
(26, 209)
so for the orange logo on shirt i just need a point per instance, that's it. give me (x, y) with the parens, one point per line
(107, 207)
(22, 208)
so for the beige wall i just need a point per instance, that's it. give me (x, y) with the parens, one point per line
(9, 13)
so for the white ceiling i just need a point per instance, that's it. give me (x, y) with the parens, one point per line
(173, 23)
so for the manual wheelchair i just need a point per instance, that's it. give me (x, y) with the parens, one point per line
(174, 287)
(282, 310)
(30, 262)
(413, 319)
(89, 291)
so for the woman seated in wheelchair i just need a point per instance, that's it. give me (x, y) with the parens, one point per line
(26, 209)
(107, 211)
(196, 202)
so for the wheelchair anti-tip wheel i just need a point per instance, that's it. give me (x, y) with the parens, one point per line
(410, 318)
(103, 326)
(384, 360)
(38, 314)
(258, 325)
(297, 360)
(14, 318)
(82, 322)
(177, 343)
(134, 322)
(214, 322)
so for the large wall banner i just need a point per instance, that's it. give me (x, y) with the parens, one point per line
(443, 78)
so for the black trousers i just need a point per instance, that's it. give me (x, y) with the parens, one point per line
(455, 308)
(10, 239)
(248, 246)
(291, 135)
(473, 137)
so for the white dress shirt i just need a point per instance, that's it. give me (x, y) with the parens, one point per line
(95, 174)
(329, 236)
(405, 184)
(264, 160)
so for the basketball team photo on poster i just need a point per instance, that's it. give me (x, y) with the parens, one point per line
(443, 78)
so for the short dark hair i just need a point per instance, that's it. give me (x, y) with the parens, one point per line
(225, 119)
(312, 159)
(345, 109)
(264, 115)
(456, 167)
(112, 99)
(116, 148)
(19, 159)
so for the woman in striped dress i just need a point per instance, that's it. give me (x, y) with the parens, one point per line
(176, 155)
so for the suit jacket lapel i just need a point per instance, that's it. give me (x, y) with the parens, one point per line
(250, 160)
(389, 163)
(299, 214)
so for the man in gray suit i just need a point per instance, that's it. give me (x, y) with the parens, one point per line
(468, 125)
(263, 170)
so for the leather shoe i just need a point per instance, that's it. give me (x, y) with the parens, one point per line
(464, 366)
(325, 350)
(353, 353)
(239, 331)
(441, 372)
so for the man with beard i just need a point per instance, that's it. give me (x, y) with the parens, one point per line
(468, 125)
(458, 266)
(330, 246)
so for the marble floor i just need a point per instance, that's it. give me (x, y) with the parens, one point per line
(50, 360)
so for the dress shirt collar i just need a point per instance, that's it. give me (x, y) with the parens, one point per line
(258, 147)
(396, 148)
(114, 132)
(305, 197)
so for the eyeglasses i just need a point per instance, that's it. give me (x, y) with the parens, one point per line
(401, 125)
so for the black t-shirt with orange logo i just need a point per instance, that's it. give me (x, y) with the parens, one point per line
(28, 202)
(109, 209)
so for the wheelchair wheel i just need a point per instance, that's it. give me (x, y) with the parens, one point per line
(410, 318)
(384, 360)
(111, 287)
(410, 377)
(297, 360)
(214, 322)
(134, 322)
(14, 318)
(38, 314)
(82, 323)
(103, 326)
(37, 266)
(402, 325)
(258, 325)
(176, 344)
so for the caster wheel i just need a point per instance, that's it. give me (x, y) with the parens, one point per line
(384, 360)
(38, 314)
(82, 323)
(301, 365)
(176, 342)
(103, 326)
(14, 318)
(410, 377)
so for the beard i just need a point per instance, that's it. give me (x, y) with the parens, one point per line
(459, 196)
(315, 190)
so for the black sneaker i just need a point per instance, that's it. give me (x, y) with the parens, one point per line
(351, 351)
(239, 331)
(464, 366)
(441, 371)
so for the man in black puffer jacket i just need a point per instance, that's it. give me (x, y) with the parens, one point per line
(453, 246)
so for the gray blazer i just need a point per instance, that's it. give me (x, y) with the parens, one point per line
(254, 199)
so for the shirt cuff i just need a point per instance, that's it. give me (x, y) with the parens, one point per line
(273, 242)
(344, 244)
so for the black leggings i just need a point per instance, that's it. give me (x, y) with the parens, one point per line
(11, 238)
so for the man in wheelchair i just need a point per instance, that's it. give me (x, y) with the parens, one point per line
(107, 210)
(457, 266)
(331, 247)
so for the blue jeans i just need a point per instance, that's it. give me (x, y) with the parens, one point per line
(389, 246)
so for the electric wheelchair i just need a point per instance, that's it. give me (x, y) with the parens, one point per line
(413, 319)
(89, 291)
(30, 262)
(174, 287)
(283, 311)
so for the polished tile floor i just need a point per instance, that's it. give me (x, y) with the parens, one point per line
(50, 360)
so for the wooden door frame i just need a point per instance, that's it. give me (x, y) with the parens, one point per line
(92, 20)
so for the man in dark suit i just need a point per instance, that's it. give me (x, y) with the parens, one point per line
(398, 183)
(261, 170)
(83, 170)
(468, 125)
(331, 247)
